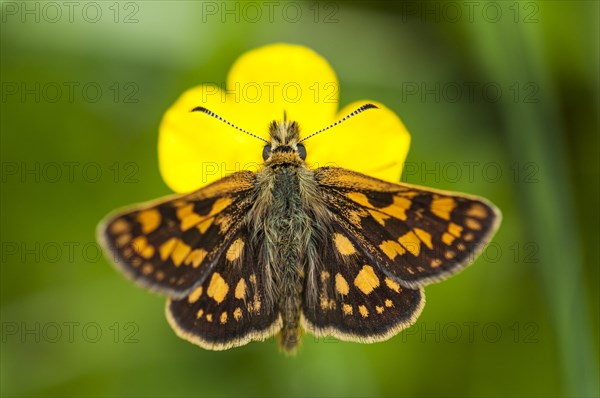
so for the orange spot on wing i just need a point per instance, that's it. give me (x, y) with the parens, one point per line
(235, 250)
(142, 247)
(166, 248)
(391, 249)
(119, 226)
(398, 208)
(454, 229)
(359, 198)
(477, 210)
(341, 286)
(447, 238)
(347, 309)
(123, 240)
(149, 220)
(187, 217)
(195, 295)
(378, 216)
(240, 289)
(204, 225)
(343, 244)
(393, 285)
(147, 269)
(363, 311)
(237, 313)
(424, 236)
(217, 288)
(366, 280)
(220, 205)
(472, 224)
(442, 207)
(411, 242)
(180, 252)
(195, 257)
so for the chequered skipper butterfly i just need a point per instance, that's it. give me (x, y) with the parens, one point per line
(328, 250)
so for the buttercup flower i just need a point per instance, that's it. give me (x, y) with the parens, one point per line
(264, 84)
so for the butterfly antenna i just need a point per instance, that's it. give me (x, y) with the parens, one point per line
(211, 113)
(356, 112)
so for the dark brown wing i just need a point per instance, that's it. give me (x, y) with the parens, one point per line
(171, 245)
(418, 235)
(356, 300)
(230, 308)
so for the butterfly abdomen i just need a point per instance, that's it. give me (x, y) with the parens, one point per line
(284, 235)
(288, 228)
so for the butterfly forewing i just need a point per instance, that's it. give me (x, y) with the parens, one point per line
(170, 246)
(229, 309)
(356, 300)
(418, 235)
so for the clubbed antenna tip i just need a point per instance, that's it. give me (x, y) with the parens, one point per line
(354, 113)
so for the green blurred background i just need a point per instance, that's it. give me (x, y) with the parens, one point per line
(501, 99)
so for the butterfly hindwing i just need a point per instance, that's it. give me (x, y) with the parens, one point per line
(356, 300)
(420, 235)
(170, 246)
(229, 308)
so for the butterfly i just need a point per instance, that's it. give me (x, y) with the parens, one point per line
(290, 249)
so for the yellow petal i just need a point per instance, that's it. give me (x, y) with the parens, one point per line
(195, 149)
(374, 142)
(289, 78)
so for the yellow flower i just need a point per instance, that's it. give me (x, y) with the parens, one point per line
(195, 149)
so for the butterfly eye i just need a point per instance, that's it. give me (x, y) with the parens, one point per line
(301, 151)
(266, 151)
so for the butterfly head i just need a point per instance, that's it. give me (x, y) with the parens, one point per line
(284, 145)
